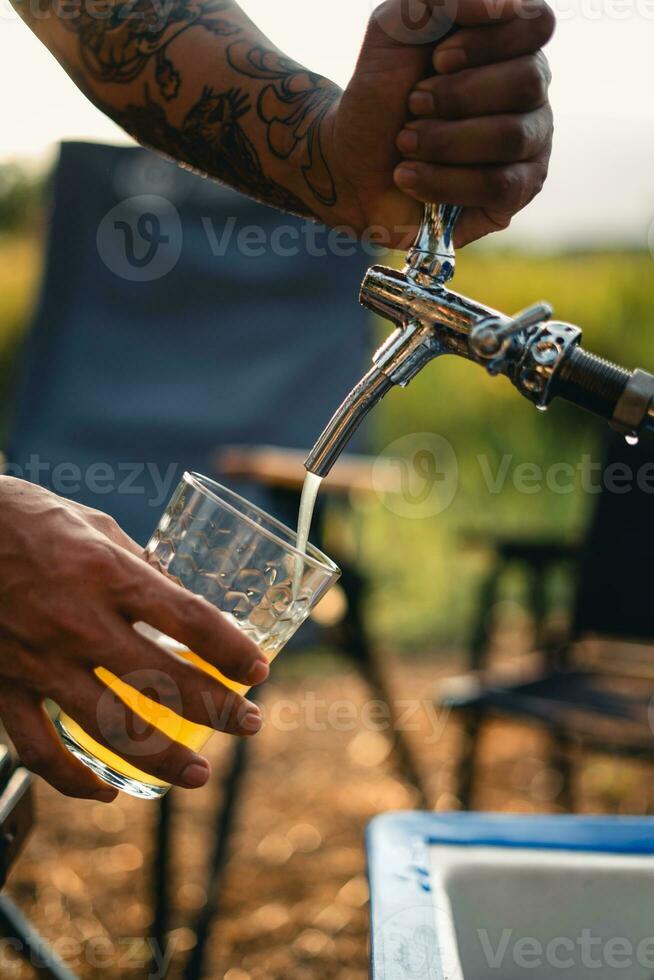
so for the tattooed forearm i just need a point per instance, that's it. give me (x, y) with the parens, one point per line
(118, 47)
(212, 141)
(293, 106)
(197, 81)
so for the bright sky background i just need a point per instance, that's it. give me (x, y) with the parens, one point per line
(601, 185)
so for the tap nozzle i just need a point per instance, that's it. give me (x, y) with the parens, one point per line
(430, 261)
(346, 420)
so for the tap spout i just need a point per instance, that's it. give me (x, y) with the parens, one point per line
(430, 321)
(346, 420)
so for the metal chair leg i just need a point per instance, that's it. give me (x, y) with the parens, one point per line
(537, 579)
(480, 641)
(359, 649)
(161, 872)
(479, 653)
(467, 770)
(232, 786)
(561, 761)
(30, 944)
(374, 678)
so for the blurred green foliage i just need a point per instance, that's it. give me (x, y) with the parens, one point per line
(423, 574)
(21, 198)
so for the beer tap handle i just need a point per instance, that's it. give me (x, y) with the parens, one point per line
(431, 257)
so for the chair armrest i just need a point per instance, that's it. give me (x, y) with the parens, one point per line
(535, 550)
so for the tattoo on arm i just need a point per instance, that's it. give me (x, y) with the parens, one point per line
(293, 107)
(213, 142)
(118, 47)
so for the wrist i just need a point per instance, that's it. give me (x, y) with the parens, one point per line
(343, 208)
(367, 204)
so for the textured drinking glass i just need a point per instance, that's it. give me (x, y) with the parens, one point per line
(213, 542)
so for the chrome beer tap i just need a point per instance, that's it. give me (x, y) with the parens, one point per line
(541, 357)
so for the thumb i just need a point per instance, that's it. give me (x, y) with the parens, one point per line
(397, 51)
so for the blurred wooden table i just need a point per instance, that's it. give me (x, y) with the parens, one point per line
(276, 467)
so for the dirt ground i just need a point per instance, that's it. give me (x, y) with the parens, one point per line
(294, 898)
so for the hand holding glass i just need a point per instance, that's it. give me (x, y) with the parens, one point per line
(216, 544)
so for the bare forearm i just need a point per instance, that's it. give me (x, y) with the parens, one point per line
(196, 80)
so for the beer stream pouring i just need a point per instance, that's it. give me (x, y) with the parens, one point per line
(542, 357)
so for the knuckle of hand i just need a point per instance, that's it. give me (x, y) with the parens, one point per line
(166, 766)
(516, 139)
(434, 137)
(449, 95)
(195, 613)
(97, 561)
(504, 187)
(501, 222)
(106, 524)
(535, 81)
(163, 689)
(115, 735)
(147, 595)
(544, 68)
(58, 629)
(537, 179)
(56, 686)
(112, 724)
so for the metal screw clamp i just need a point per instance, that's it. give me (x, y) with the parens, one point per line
(489, 341)
(543, 353)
